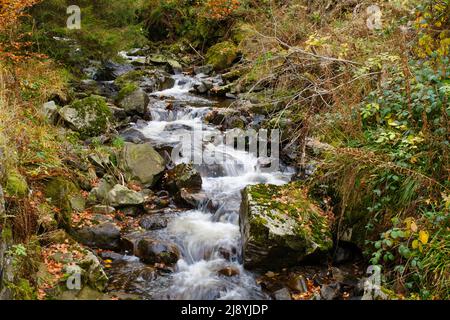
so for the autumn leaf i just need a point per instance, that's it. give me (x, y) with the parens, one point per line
(423, 236)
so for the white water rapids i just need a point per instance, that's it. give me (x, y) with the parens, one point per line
(204, 236)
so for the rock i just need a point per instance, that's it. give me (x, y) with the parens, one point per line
(134, 100)
(110, 71)
(280, 226)
(298, 283)
(142, 163)
(157, 251)
(193, 200)
(242, 31)
(338, 274)
(120, 195)
(206, 69)
(102, 209)
(174, 65)
(229, 271)
(330, 292)
(222, 90)
(16, 185)
(203, 86)
(50, 111)
(66, 196)
(100, 192)
(182, 176)
(221, 55)
(118, 113)
(154, 221)
(133, 135)
(89, 116)
(282, 294)
(104, 234)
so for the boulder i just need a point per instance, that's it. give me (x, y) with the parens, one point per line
(120, 195)
(221, 55)
(142, 163)
(89, 116)
(203, 70)
(182, 176)
(133, 100)
(154, 221)
(66, 196)
(157, 251)
(280, 226)
(50, 111)
(103, 234)
(171, 63)
(16, 185)
(100, 192)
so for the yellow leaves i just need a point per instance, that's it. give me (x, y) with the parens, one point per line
(424, 236)
(415, 244)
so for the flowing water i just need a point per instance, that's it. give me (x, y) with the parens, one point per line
(209, 240)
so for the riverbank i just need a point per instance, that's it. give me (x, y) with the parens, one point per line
(90, 189)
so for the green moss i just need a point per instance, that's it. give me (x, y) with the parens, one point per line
(95, 113)
(22, 290)
(221, 55)
(16, 185)
(62, 193)
(129, 77)
(127, 89)
(288, 207)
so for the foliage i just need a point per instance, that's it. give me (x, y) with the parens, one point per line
(201, 22)
(13, 46)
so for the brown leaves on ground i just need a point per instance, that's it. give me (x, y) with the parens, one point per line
(312, 291)
(82, 219)
(54, 267)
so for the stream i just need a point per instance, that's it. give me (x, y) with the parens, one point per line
(208, 237)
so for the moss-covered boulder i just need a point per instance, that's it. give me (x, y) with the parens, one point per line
(150, 80)
(16, 185)
(280, 226)
(66, 197)
(122, 196)
(142, 163)
(241, 32)
(133, 100)
(101, 232)
(221, 55)
(89, 116)
(182, 176)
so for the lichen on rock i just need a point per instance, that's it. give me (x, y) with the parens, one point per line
(281, 226)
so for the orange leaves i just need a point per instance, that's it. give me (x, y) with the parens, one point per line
(312, 290)
(13, 47)
(12, 10)
(82, 219)
(221, 9)
(54, 265)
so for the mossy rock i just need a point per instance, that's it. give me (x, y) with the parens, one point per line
(89, 116)
(66, 196)
(222, 55)
(241, 32)
(142, 163)
(281, 226)
(183, 176)
(16, 185)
